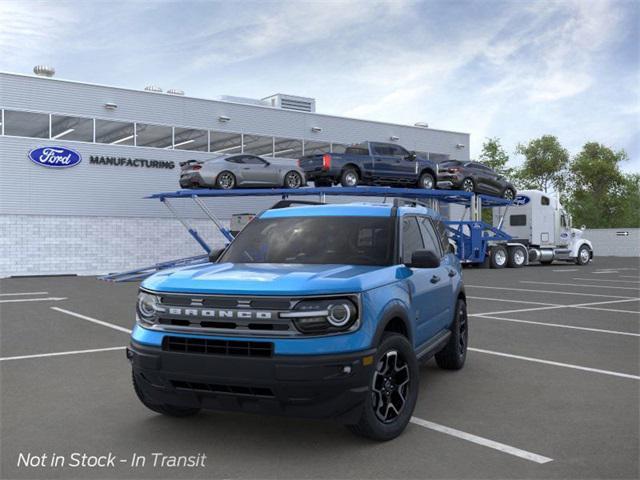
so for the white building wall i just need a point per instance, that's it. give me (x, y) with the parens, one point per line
(612, 242)
(57, 245)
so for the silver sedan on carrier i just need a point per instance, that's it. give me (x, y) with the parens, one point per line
(241, 170)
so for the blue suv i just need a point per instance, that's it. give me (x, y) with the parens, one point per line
(320, 311)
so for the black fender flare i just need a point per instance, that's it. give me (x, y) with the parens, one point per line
(393, 310)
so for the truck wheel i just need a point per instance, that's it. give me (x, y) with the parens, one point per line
(454, 354)
(226, 180)
(292, 179)
(517, 257)
(426, 181)
(498, 256)
(468, 185)
(349, 178)
(390, 402)
(169, 410)
(584, 255)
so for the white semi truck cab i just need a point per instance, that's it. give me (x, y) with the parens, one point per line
(538, 222)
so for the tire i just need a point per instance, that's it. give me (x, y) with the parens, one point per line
(508, 194)
(427, 181)
(584, 255)
(498, 256)
(454, 354)
(517, 257)
(226, 180)
(468, 185)
(349, 178)
(169, 410)
(379, 421)
(292, 180)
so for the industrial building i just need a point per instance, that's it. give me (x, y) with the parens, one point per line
(93, 218)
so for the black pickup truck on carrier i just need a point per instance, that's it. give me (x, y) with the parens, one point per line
(371, 163)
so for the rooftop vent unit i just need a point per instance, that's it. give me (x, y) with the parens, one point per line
(153, 88)
(291, 102)
(175, 91)
(44, 71)
(421, 124)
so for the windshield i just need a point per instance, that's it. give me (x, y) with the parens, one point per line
(314, 240)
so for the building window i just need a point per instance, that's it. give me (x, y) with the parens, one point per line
(258, 145)
(114, 133)
(287, 148)
(26, 124)
(225, 143)
(191, 139)
(71, 128)
(156, 136)
(313, 148)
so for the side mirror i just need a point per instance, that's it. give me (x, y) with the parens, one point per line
(215, 254)
(412, 156)
(583, 227)
(424, 259)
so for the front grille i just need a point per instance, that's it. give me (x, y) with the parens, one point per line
(207, 346)
(224, 389)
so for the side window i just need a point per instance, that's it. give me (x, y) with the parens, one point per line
(252, 160)
(517, 220)
(411, 238)
(431, 241)
(398, 151)
(544, 201)
(563, 220)
(441, 230)
(237, 159)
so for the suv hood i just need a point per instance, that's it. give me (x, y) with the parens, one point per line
(270, 279)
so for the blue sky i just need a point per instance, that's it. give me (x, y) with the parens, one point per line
(514, 70)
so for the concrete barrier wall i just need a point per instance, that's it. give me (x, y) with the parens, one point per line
(614, 242)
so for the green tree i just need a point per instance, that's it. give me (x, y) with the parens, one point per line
(600, 195)
(494, 156)
(545, 164)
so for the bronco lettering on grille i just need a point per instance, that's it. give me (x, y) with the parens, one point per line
(216, 313)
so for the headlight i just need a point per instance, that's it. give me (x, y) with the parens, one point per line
(146, 307)
(329, 315)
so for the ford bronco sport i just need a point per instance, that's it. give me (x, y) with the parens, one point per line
(318, 311)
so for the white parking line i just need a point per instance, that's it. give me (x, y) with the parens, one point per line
(57, 354)
(485, 442)
(567, 270)
(628, 276)
(514, 301)
(555, 307)
(92, 320)
(581, 285)
(558, 325)
(604, 280)
(555, 364)
(23, 293)
(47, 299)
(551, 306)
(530, 290)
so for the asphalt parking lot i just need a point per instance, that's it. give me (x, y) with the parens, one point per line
(550, 390)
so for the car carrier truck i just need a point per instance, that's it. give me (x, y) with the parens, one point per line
(540, 231)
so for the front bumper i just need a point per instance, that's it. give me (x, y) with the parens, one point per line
(321, 386)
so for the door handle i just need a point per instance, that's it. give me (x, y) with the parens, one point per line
(452, 273)
(435, 279)
(246, 168)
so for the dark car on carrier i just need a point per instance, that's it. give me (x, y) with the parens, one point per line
(371, 163)
(474, 177)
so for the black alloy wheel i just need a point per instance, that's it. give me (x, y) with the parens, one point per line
(226, 180)
(468, 185)
(293, 179)
(391, 384)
